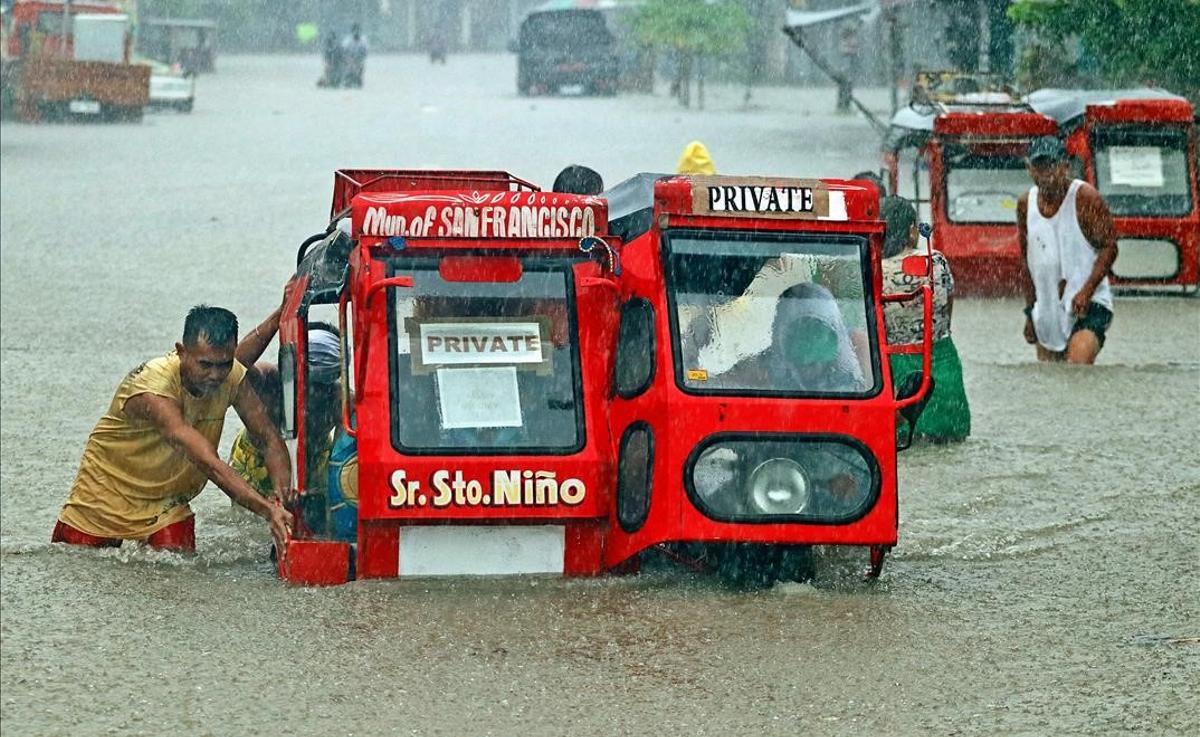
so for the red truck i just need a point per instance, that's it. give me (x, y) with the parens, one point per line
(71, 60)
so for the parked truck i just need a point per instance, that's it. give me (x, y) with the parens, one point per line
(72, 60)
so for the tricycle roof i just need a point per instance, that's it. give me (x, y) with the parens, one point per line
(741, 200)
(1064, 105)
(347, 183)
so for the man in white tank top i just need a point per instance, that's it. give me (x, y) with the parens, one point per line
(1068, 245)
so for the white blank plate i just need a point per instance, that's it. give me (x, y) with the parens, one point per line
(481, 550)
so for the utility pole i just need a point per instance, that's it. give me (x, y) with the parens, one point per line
(894, 52)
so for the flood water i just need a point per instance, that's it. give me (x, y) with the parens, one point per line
(1046, 576)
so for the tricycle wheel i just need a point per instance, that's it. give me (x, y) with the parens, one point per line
(758, 566)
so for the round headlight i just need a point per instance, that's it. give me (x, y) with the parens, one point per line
(778, 486)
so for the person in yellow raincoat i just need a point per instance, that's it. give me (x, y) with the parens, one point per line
(696, 160)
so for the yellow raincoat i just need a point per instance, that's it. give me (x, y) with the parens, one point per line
(695, 160)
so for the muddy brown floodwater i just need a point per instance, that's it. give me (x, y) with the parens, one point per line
(1046, 577)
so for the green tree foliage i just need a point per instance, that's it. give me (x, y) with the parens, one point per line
(692, 29)
(962, 34)
(693, 26)
(1132, 41)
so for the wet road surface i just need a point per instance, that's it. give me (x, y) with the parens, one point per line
(1046, 576)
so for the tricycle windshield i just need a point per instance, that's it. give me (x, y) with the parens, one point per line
(1143, 172)
(755, 313)
(485, 367)
(983, 187)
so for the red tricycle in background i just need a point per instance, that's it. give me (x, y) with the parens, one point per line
(958, 150)
(1139, 148)
(537, 382)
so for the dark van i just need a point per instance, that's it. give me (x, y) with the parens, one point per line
(568, 51)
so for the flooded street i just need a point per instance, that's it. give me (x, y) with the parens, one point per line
(1045, 582)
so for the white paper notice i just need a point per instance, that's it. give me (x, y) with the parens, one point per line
(459, 343)
(479, 397)
(1135, 166)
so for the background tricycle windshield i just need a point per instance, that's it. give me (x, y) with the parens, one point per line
(774, 315)
(1143, 172)
(485, 367)
(983, 188)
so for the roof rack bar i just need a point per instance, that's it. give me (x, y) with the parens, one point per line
(347, 183)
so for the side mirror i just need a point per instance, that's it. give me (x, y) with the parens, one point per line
(910, 414)
(916, 266)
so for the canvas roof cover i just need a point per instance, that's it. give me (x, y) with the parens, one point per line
(1063, 105)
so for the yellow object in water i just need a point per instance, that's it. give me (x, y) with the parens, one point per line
(696, 160)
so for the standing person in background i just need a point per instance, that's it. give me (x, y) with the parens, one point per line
(331, 55)
(947, 416)
(1068, 246)
(848, 46)
(354, 57)
(438, 42)
(156, 447)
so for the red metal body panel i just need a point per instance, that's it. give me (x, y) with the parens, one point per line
(985, 257)
(1021, 125)
(1150, 112)
(315, 562)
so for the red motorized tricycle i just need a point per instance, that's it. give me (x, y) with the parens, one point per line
(538, 382)
(1139, 149)
(959, 151)
(962, 144)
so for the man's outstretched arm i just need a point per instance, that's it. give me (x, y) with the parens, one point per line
(251, 347)
(167, 417)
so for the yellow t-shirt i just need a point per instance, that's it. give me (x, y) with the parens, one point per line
(131, 481)
(251, 464)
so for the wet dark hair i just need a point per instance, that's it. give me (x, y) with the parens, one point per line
(874, 177)
(899, 215)
(576, 179)
(326, 326)
(217, 325)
